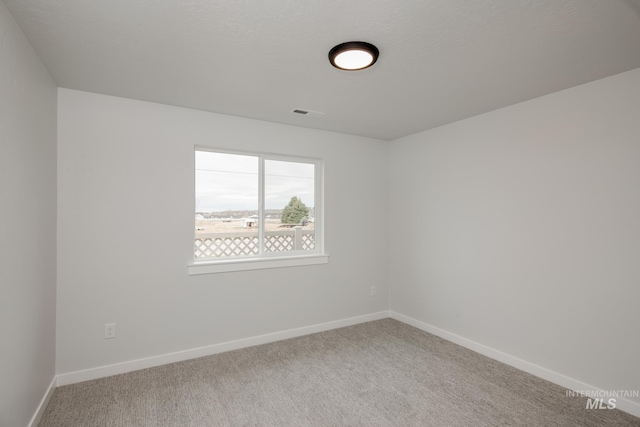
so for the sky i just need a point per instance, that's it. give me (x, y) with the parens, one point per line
(230, 182)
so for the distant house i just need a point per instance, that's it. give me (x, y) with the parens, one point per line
(250, 222)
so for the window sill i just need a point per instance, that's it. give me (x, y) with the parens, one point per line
(229, 265)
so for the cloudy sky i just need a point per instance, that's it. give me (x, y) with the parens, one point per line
(230, 182)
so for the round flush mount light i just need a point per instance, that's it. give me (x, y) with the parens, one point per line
(353, 56)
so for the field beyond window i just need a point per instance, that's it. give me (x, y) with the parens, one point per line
(248, 206)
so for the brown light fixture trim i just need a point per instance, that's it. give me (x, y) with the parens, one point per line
(353, 56)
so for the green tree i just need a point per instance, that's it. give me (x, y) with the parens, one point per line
(294, 212)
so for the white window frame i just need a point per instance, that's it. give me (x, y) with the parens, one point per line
(271, 259)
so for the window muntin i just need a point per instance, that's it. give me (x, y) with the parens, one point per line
(239, 203)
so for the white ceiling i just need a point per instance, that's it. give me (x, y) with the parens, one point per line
(440, 60)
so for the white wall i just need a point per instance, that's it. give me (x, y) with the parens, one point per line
(527, 230)
(125, 222)
(27, 226)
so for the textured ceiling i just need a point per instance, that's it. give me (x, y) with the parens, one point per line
(440, 60)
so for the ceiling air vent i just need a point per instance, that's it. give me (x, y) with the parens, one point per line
(308, 113)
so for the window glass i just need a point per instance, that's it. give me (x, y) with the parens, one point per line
(289, 206)
(226, 205)
(252, 206)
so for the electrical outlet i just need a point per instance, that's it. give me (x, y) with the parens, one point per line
(109, 330)
(373, 291)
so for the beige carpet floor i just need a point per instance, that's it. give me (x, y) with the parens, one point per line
(381, 373)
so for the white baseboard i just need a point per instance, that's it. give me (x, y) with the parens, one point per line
(35, 420)
(623, 404)
(149, 362)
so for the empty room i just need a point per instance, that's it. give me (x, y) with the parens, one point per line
(298, 213)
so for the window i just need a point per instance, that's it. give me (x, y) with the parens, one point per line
(253, 211)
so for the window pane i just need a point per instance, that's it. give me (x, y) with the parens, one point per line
(226, 205)
(289, 206)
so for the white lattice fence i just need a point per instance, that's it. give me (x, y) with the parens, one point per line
(224, 245)
(220, 245)
(281, 242)
(308, 241)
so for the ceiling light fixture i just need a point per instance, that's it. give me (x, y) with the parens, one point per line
(353, 56)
